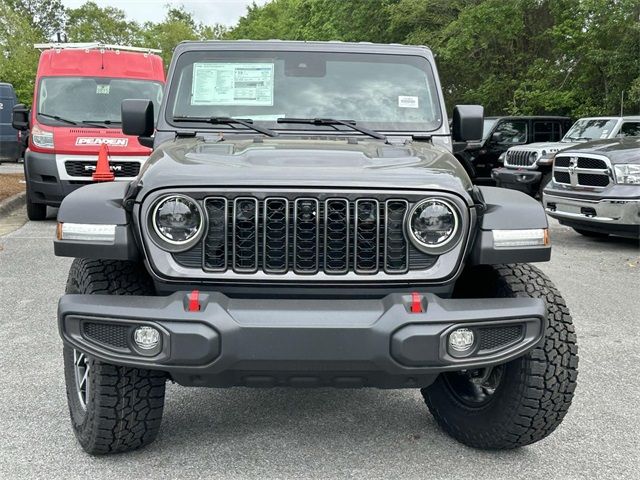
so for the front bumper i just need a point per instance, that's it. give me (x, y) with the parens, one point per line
(527, 181)
(301, 342)
(615, 216)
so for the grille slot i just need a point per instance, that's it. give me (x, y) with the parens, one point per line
(115, 336)
(562, 177)
(305, 235)
(85, 168)
(492, 338)
(561, 162)
(586, 162)
(592, 180)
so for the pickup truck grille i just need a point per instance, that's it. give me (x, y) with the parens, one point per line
(518, 158)
(579, 171)
(306, 235)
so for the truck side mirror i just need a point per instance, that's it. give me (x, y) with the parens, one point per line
(468, 123)
(137, 120)
(20, 117)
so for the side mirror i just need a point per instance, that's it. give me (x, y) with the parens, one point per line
(497, 137)
(137, 117)
(468, 122)
(20, 117)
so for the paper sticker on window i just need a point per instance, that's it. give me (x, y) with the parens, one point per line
(605, 134)
(103, 89)
(407, 102)
(242, 84)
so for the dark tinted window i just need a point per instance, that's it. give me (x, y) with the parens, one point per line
(630, 129)
(512, 132)
(547, 131)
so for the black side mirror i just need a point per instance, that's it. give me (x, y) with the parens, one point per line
(468, 122)
(20, 117)
(137, 119)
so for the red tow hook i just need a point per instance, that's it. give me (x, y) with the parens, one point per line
(416, 303)
(194, 301)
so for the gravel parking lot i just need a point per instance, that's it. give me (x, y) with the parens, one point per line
(285, 433)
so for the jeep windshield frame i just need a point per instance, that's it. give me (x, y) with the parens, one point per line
(382, 92)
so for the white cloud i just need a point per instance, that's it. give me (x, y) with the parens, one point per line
(226, 12)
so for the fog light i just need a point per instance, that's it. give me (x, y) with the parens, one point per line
(146, 338)
(461, 339)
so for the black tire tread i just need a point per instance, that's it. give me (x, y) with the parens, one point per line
(545, 381)
(126, 404)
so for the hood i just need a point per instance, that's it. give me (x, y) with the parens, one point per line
(539, 146)
(618, 150)
(87, 141)
(301, 163)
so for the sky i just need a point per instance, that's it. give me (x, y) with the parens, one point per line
(226, 12)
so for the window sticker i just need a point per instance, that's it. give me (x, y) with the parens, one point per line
(407, 102)
(242, 84)
(605, 134)
(103, 89)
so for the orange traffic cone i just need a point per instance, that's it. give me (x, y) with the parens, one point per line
(103, 173)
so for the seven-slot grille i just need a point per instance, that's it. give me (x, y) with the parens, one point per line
(519, 158)
(581, 171)
(85, 168)
(306, 235)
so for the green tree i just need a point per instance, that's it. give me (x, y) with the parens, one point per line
(90, 22)
(47, 16)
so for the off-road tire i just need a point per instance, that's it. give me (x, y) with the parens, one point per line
(591, 234)
(36, 211)
(123, 405)
(544, 181)
(536, 390)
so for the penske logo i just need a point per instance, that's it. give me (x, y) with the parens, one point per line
(110, 142)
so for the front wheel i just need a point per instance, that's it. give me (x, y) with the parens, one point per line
(36, 211)
(113, 408)
(522, 401)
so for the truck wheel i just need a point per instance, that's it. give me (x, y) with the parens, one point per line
(522, 401)
(589, 233)
(36, 211)
(544, 181)
(113, 408)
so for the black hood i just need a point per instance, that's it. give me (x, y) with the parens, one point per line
(303, 163)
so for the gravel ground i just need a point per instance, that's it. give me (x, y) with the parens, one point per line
(286, 433)
(10, 184)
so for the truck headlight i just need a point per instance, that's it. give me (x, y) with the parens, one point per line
(434, 225)
(533, 156)
(41, 138)
(178, 221)
(627, 173)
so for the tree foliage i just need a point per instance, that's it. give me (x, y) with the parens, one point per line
(91, 23)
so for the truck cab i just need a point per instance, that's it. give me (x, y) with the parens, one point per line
(76, 110)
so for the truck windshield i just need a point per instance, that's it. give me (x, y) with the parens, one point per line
(590, 129)
(488, 125)
(379, 92)
(90, 101)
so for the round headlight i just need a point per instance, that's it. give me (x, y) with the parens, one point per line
(533, 156)
(433, 224)
(177, 220)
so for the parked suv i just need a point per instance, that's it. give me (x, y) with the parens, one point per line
(10, 138)
(528, 168)
(596, 188)
(76, 110)
(303, 222)
(501, 133)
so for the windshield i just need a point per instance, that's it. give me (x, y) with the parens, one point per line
(587, 130)
(488, 125)
(382, 92)
(91, 100)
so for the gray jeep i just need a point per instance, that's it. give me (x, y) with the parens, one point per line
(302, 222)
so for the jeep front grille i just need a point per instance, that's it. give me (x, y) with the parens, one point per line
(306, 235)
(85, 168)
(581, 171)
(518, 158)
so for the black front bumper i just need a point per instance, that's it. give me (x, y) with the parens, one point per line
(266, 342)
(43, 182)
(527, 181)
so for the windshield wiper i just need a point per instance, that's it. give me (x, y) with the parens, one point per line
(248, 123)
(103, 122)
(60, 119)
(332, 122)
(588, 139)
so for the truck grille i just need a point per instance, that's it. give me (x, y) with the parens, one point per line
(518, 158)
(581, 171)
(306, 235)
(85, 168)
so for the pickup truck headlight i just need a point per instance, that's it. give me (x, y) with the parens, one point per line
(178, 221)
(627, 173)
(434, 225)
